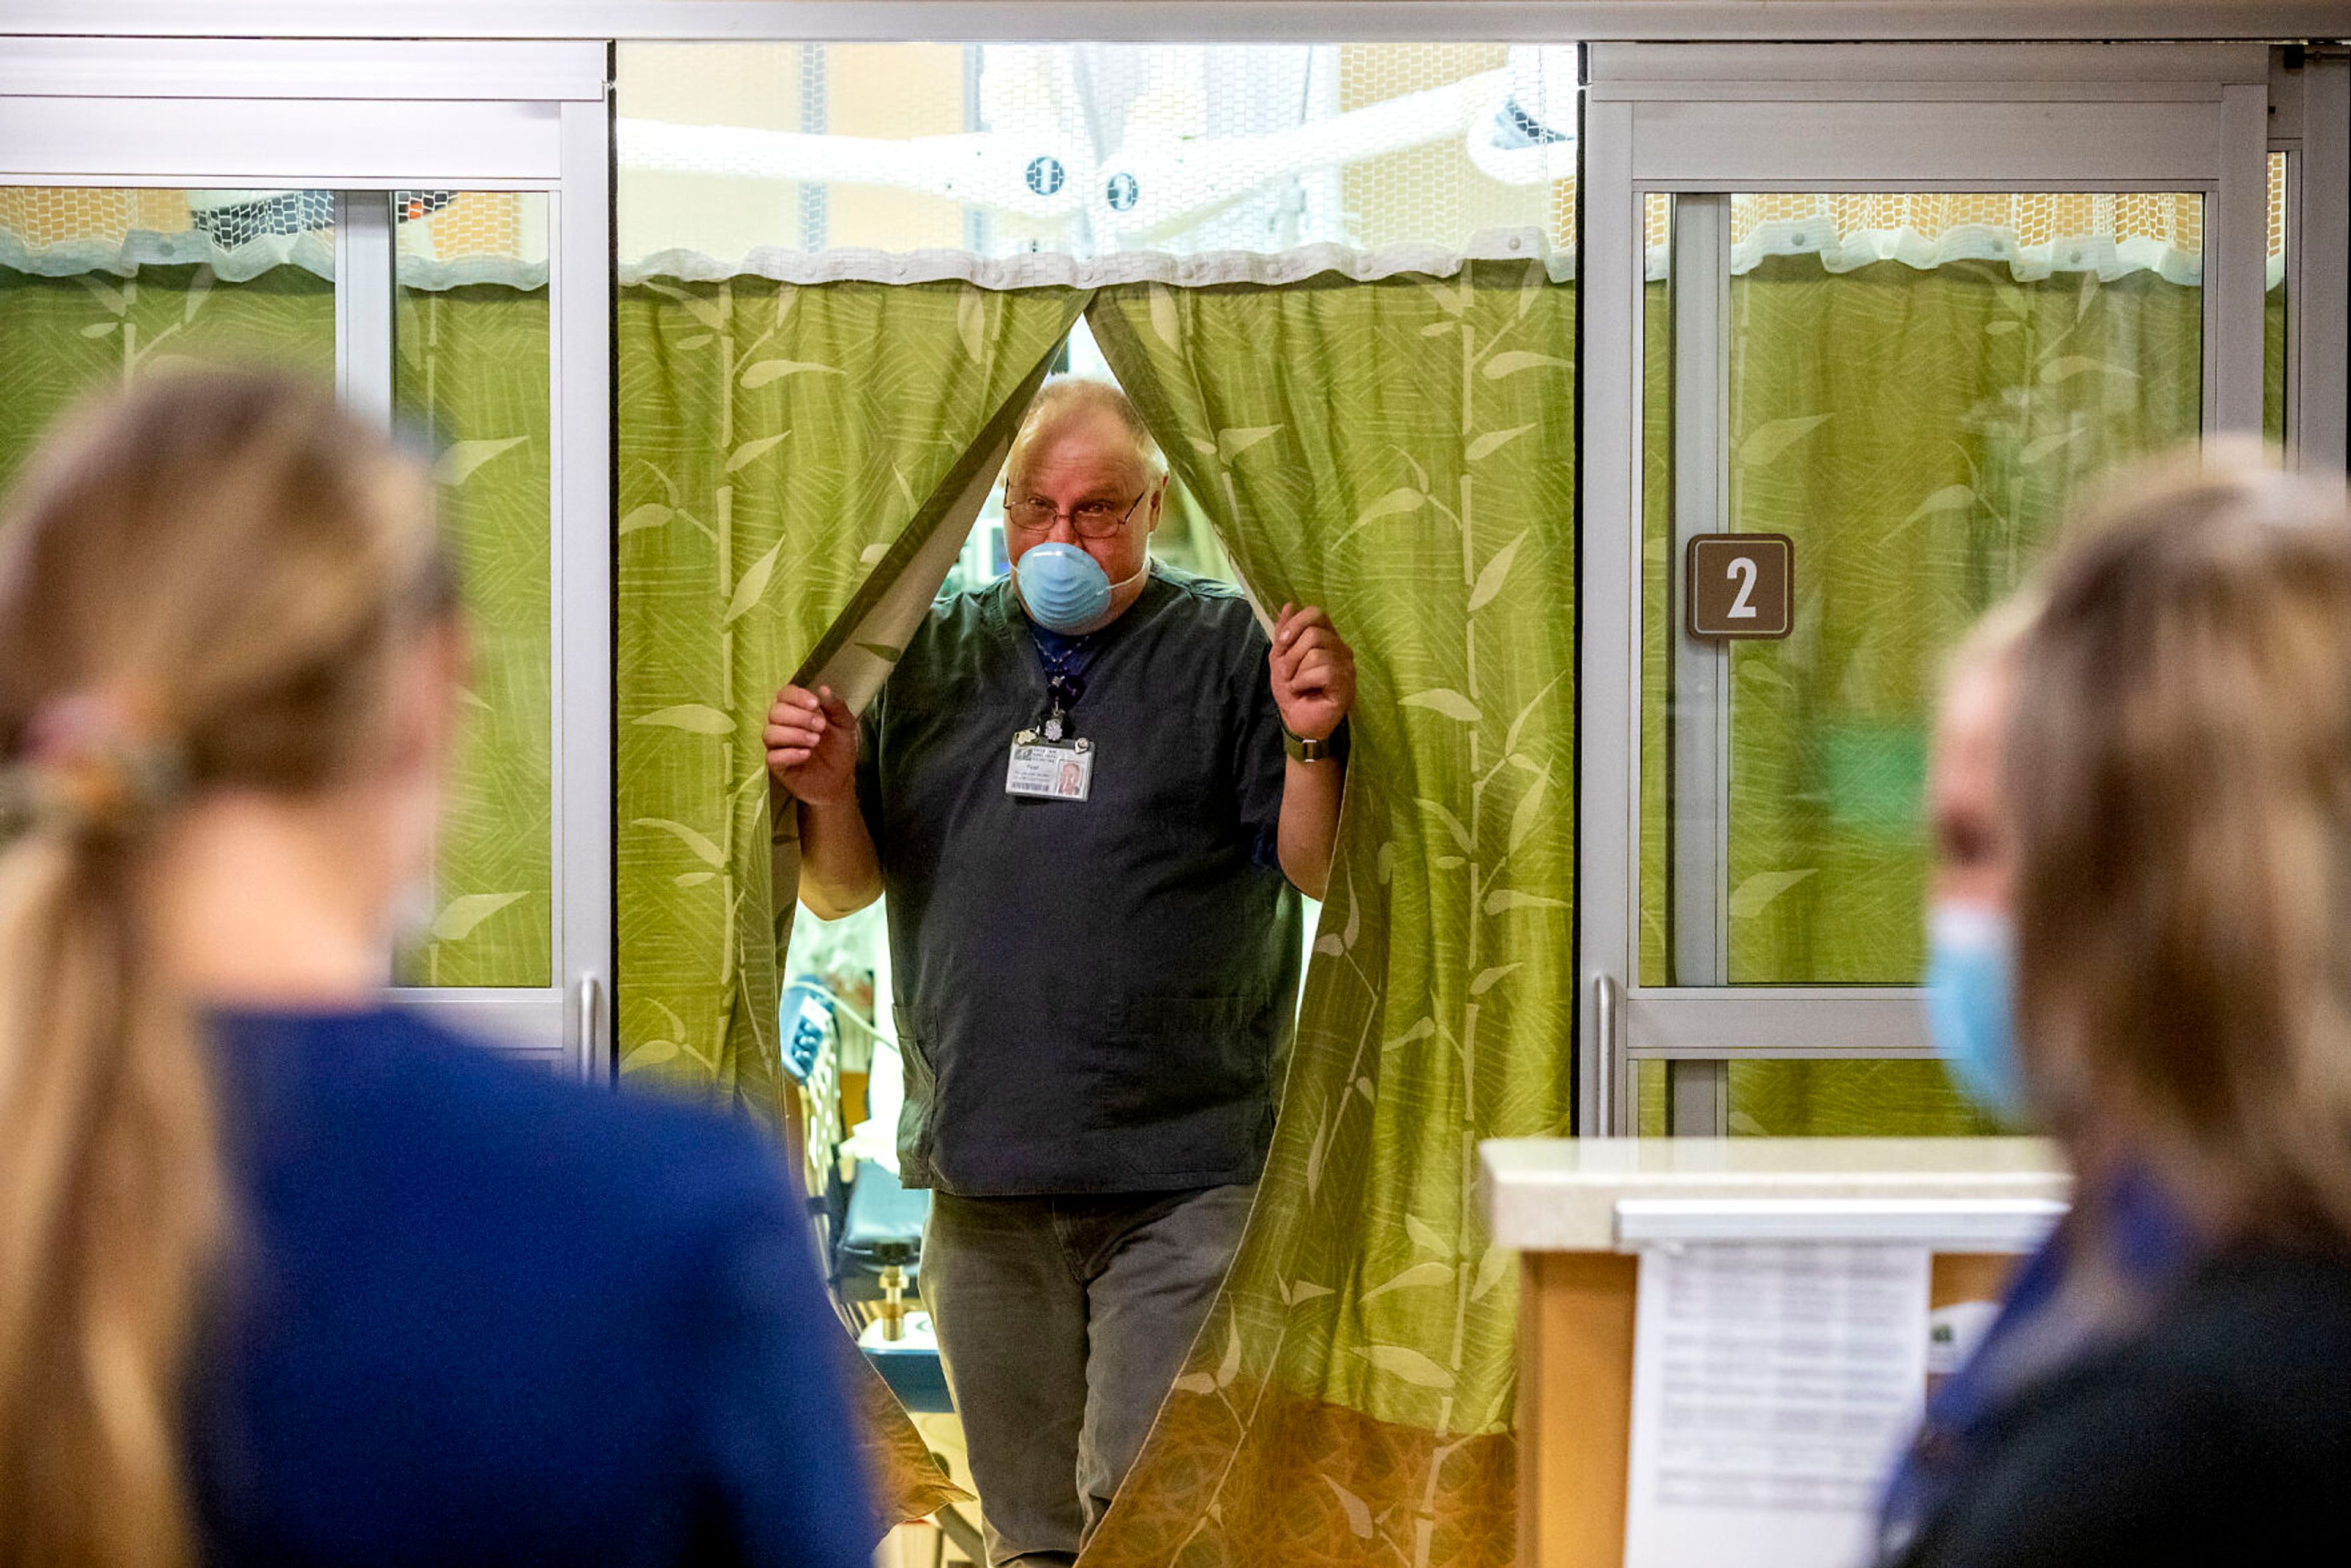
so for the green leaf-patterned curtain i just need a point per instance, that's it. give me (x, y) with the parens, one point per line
(471, 372)
(777, 442)
(64, 338)
(1402, 453)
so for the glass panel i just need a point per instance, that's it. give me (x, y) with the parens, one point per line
(470, 382)
(100, 285)
(1905, 1099)
(2275, 389)
(1908, 387)
(1656, 591)
(1803, 1099)
(1649, 1098)
(1006, 150)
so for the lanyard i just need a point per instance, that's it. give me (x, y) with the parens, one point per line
(1062, 685)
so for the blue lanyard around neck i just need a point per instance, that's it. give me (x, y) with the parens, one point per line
(1065, 670)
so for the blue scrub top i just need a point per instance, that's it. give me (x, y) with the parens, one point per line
(477, 1315)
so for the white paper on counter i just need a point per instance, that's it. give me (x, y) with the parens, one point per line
(1772, 1385)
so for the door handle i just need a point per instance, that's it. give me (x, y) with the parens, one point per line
(587, 998)
(1607, 1100)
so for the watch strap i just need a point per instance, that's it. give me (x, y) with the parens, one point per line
(1301, 749)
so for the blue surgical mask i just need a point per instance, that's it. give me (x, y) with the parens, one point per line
(1971, 1005)
(1066, 589)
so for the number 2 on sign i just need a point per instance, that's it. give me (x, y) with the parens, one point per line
(1743, 568)
(1741, 585)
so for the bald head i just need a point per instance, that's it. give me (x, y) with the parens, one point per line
(1078, 410)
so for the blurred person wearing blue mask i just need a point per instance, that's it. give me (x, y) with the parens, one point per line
(2142, 800)
(1970, 935)
(1092, 792)
(288, 1275)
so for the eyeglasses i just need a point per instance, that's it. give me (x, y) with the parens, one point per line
(1091, 519)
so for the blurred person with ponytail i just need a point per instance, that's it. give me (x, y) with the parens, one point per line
(287, 1275)
(2142, 943)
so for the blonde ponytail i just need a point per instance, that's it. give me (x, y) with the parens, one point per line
(206, 585)
(115, 1209)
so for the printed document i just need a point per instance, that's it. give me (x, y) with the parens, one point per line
(1772, 1385)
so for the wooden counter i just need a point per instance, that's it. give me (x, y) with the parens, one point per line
(1578, 1210)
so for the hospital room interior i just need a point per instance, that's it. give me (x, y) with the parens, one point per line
(1467, 530)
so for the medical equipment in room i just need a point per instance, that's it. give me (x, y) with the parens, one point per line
(870, 1229)
(881, 1246)
(809, 1027)
(880, 1237)
(1151, 174)
(893, 1301)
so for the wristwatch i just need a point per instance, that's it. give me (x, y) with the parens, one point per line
(1301, 749)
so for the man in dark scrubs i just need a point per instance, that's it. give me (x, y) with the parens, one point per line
(1092, 792)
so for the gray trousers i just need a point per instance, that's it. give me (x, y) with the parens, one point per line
(1062, 1322)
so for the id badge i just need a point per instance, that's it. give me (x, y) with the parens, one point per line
(1048, 771)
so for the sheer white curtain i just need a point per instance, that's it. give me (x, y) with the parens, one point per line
(447, 239)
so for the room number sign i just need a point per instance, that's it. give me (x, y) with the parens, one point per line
(1741, 585)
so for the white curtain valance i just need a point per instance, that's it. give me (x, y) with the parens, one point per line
(1046, 270)
(124, 257)
(2103, 254)
(2035, 234)
(445, 239)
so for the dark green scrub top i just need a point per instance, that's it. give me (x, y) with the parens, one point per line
(1093, 995)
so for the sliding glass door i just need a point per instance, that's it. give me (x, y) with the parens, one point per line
(427, 228)
(1865, 319)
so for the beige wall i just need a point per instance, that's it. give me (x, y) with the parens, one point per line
(870, 90)
(894, 89)
(756, 84)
